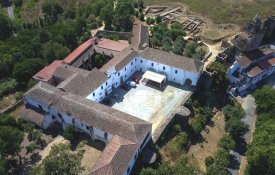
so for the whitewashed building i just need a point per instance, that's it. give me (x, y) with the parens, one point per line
(250, 69)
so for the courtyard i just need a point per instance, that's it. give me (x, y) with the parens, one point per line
(148, 102)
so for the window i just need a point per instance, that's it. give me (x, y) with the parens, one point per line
(40, 107)
(105, 135)
(125, 76)
(125, 68)
(93, 94)
(132, 63)
(141, 61)
(59, 115)
(119, 74)
(53, 117)
(101, 87)
(135, 59)
(73, 121)
(152, 64)
(163, 68)
(100, 93)
(116, 83)
(106, 83)
(176, 71)
(128, 170)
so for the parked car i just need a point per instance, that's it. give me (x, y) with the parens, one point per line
(136, 80)
(131, 83)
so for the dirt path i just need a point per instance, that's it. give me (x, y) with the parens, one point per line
(215, 49)
(249, 106)
(198, 152)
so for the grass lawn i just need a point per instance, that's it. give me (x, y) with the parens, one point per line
(175, 147)
(227, 11)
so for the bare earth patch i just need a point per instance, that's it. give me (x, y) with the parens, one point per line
(198, 152)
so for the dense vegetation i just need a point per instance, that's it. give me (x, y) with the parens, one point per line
(27, 47)
(171, 39)
(261, 152)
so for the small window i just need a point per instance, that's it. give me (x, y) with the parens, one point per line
(59, 115)
(141, 61)
(93, 94)
(132, 63)
(73, 121)
(106, 83)
(116, 83)
(152, 64)
(176, 71)
(125, 76)
(53, 117)
(106, 135)
(128, 170)
(163, 68)
(119, 74)
(125, 68)
(101, 87)
(135, 59)
(100, 93)
(40, 107)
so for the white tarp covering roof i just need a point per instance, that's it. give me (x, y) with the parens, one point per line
(154, 77)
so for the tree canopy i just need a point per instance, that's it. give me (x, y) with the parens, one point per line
(61, 160)
(6, 27)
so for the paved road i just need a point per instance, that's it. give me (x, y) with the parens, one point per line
(249, 106)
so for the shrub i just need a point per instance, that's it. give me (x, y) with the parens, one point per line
(31, 147)
(227, 143)
(70, 132)
(177, 128)
(7, 87)
(209, 161)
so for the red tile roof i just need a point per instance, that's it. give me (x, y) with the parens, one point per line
(46, 73)
(112, 45)
(264, 64)
(254, 71)
(78, 51)
(272, 61)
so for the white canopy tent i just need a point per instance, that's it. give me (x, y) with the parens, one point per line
(155, 77)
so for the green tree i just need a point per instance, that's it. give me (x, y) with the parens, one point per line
(10, 140)
(52, 50)
(209, 161)
(70, 132)
(99, 60)
(6, 27)
(199, 55)
(227, 143)
(106, 14)
(236, 128)
(141, 16)
(123, 17)
(230, 111)
(52, 8)
(219, 75)
(24, 70)
(158, 20)
(61, 160)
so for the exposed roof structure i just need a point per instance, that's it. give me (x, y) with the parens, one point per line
(78, 51)
(112, 45)
(171, 59)
(46, 73)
